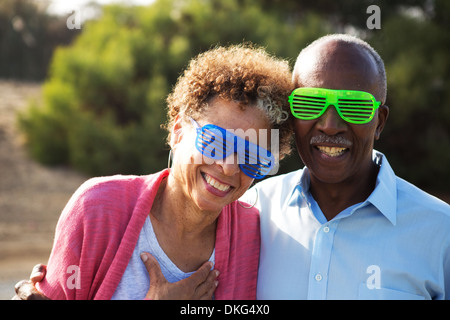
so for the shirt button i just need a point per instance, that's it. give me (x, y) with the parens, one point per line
(318, 277)
(326, 229)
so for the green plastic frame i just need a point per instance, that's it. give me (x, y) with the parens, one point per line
(357, 107)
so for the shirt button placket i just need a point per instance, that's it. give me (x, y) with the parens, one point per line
(320, 261)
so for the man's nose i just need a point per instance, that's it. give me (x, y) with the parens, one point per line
(331, 122)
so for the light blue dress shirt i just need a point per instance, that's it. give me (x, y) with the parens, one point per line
(394, 245)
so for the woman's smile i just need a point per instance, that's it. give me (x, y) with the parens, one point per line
(215, 183)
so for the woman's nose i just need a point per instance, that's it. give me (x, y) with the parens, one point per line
(230, 165)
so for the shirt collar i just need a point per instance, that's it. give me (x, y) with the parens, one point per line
(299, 190)
(383, 197)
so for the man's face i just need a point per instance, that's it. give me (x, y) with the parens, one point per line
(334, 150)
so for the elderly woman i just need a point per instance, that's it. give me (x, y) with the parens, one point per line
(188, 216)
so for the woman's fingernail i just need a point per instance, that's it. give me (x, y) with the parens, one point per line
(144, 257)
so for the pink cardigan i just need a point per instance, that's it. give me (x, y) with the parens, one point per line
(98, 230)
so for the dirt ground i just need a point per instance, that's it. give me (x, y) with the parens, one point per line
(31, 195)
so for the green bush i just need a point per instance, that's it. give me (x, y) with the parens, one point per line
(47, 126)
(103, 103)
(104, 100)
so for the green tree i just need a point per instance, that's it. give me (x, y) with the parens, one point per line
(105, 95)
(28, 36)
(417, 136)
(104, 99)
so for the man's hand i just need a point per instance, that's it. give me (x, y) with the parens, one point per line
(26, 290)
(199, 286)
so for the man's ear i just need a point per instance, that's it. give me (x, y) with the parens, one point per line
(383, 114)
(177, 132)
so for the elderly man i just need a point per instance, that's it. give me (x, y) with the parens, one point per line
(345, 226)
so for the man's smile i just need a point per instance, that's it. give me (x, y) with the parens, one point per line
(331, 146)
(331, 151)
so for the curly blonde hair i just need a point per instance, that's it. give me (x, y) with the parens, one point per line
(241, 73)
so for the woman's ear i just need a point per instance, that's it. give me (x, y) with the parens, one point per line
(383, 113)
(177, 132)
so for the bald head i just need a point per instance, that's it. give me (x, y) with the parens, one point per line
(341, 62)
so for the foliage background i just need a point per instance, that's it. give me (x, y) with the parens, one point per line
(105, 85)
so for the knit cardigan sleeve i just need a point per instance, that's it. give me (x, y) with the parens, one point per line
(96, 235)
(237, 253)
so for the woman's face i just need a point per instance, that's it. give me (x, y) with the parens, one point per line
(212, 184)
